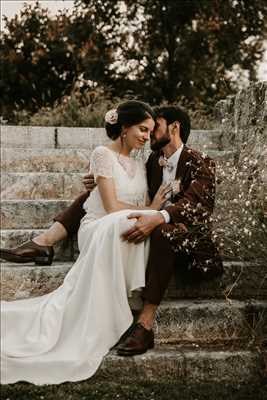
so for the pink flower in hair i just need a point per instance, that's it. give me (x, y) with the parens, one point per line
(111, 116)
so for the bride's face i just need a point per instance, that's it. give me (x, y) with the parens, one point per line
(137, 135)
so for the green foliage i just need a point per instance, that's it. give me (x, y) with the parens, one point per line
(80, 108)
(41, 58)
(190, 51)
(85, 108)
(187, 48)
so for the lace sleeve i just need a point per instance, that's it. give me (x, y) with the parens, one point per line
(101, 162)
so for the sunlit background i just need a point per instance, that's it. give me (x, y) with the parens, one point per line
(75, 58)
(10, 7)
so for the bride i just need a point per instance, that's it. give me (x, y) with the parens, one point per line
(64, 335)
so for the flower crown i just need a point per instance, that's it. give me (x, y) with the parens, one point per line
(111, 116)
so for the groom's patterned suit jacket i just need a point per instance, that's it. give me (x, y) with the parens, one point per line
(192, 206)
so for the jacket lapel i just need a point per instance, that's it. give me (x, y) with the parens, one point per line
(180, 170)
(156, 171)
(155, 174)
(159, 171)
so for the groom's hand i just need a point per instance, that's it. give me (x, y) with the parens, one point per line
(143, 227)
(89, 182)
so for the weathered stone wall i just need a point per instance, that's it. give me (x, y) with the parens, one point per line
(244, 117)
(243, 190)
(243, 123)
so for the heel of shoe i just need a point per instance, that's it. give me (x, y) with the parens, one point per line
(43, 261)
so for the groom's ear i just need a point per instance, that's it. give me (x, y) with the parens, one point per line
(176, 127)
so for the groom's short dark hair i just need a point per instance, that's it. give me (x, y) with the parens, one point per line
(172, 114)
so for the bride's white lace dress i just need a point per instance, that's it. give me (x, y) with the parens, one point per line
(64, 335)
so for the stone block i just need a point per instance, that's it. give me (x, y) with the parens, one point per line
(24, 281)
(204, 140)
(30, 214)
(206, 321)
(86, 138)
(27, 136)
(72, 186)
(41, 186)
(211, 320)
(195, 374)
(221, 155)
(180, 364)
(240, 280)
(224, 111)
(232, 285)
(243, 118)
(44, 160)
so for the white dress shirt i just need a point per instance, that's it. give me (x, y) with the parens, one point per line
(169, 176)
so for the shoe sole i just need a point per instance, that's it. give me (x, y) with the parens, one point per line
(21, 260)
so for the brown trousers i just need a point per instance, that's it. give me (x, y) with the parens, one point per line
(162, 259)
(162, 262)
(71, 217)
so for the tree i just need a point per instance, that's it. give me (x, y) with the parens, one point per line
(189, 48)
(191, 51)
(42, 57)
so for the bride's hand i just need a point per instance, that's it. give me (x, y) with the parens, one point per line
(160, 197)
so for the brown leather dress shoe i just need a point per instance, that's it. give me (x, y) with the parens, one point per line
(29, 252)
(138, 341)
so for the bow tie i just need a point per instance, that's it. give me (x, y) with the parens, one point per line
(163, 162)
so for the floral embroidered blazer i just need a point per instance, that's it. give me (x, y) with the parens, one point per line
(192, 206)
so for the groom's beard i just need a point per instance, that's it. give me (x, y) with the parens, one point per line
(158, 144)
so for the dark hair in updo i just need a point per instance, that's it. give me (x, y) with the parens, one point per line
(130, 112)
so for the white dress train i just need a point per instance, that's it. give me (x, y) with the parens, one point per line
(64, 335)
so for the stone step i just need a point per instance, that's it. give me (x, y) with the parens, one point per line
(211, 321)
(190, 365)
(66, 160)
(30, 214)
(177, 320)
(228, 369)
(239, 281)
(42, 184)
(44, 160)
(51, 137)
(31, 185)
(73, 137)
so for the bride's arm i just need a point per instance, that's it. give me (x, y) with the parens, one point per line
(111, 204)
(102, 167)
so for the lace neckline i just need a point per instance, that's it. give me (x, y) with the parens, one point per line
(127, 163)
(119, 154)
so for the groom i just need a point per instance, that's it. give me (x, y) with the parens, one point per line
(180, 237)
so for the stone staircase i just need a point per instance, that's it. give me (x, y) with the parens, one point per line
(210, 333)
